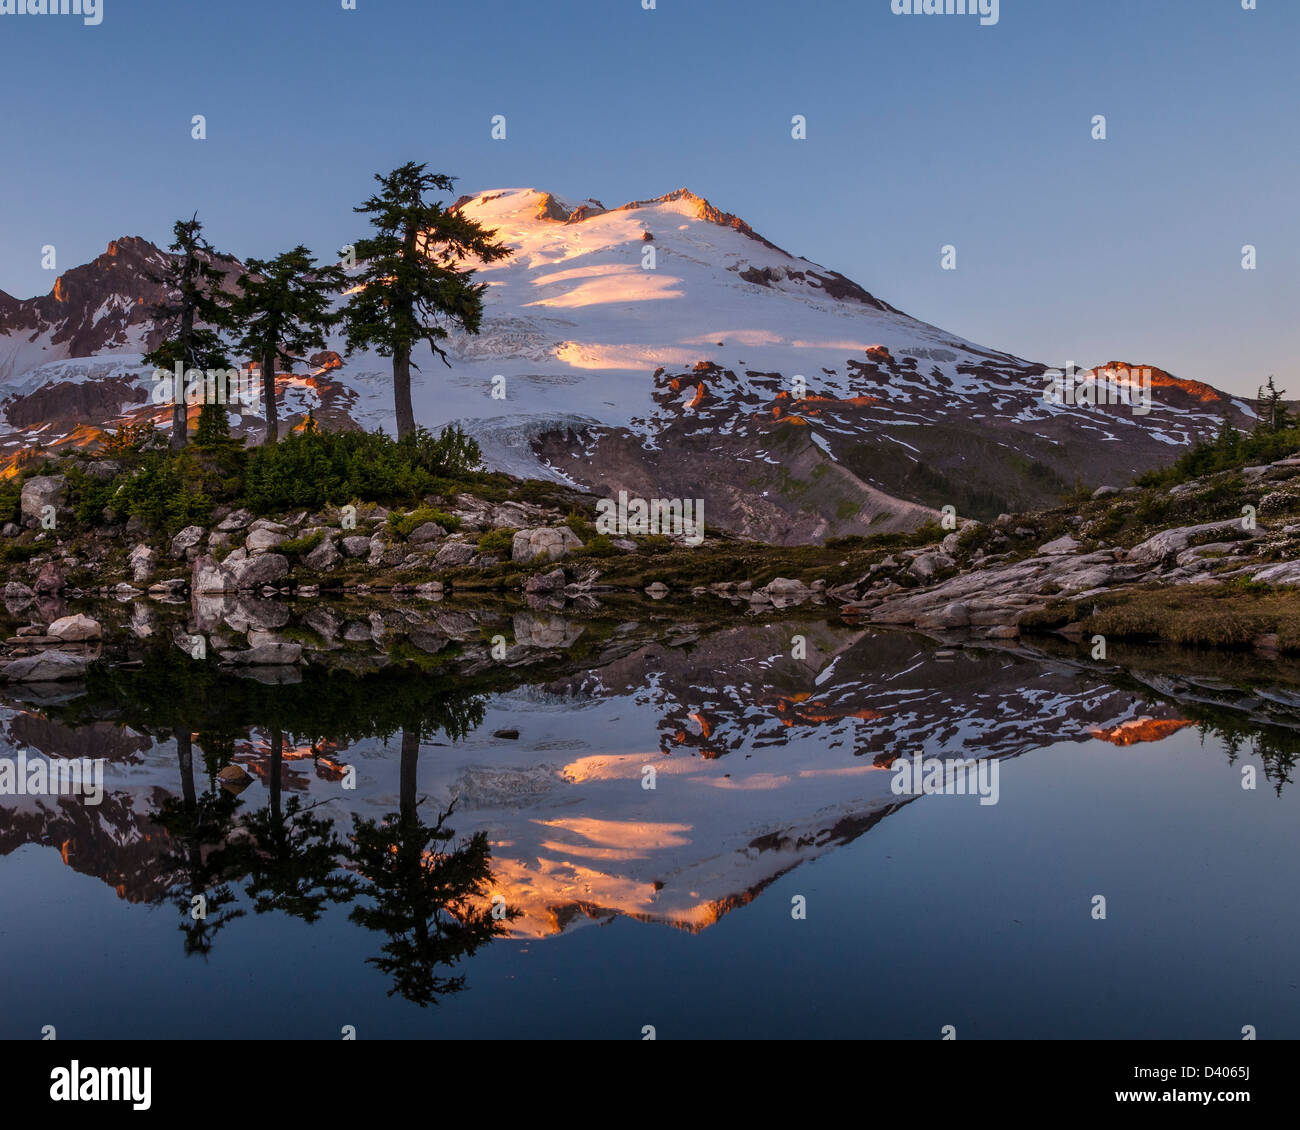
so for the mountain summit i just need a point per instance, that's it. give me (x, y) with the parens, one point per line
(667, 349)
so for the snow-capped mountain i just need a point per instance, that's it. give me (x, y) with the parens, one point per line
(667, 349)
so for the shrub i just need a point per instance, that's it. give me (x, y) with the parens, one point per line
(403, 525)
(600, 545)
(497, 541)
(301, 546)
(313, 469)
(167, 492)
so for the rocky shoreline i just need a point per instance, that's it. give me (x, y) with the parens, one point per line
(1065, 571)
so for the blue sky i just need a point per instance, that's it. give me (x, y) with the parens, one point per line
(922, 131)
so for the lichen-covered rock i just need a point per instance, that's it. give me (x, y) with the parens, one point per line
(40, 492)
(186, 542)
(143, 559)
(453, 554)
(546, 543)
(264, 569)
(324, 557)
(75, 629)
(264, 536)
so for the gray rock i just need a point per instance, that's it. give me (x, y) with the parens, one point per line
(237, 520)
(48, 667)
(545, 582)
(1105, 492)
(1060, 547)
(928, 565)
(1169, 543)
(143, 559)
(186, 541)
(356, 546)
(264, 536)
(40, 492)
(266, 655)
(426, 534)
(453, 554)
(75, 629)
(323, 558)
(784, 586)
(209, 576)
(18, 593)
(265, 569)
(954, 615)
(547, 543)
(1281, 573)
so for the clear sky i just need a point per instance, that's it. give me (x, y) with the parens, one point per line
(921, 131)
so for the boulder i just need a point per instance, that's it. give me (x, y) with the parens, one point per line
(356, 546)
(40, 492)
(323, 558)
(1060, 547)
(265, 569)
(236, 520)
(657, 591)
(783, 586)
(18, 593)
(546, 543)
(453, 554)
(210, 576)
(185, 544)
(545, 582)
(142, 560)
(426, 534)
(50, 578)
(928, 565)
(75, 629)
(266, 655)
(264, 536)
(48, 667)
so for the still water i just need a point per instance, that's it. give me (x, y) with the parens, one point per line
(636, 824)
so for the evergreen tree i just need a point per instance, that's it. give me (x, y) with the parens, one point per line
(1273, 414)
(194, 312)
(282, 312)
(413, 284)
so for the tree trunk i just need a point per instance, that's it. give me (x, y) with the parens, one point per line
(410, 762)
(180, 409)
(185, 755)
(268, 394)
(402, 391)
(277, 768)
